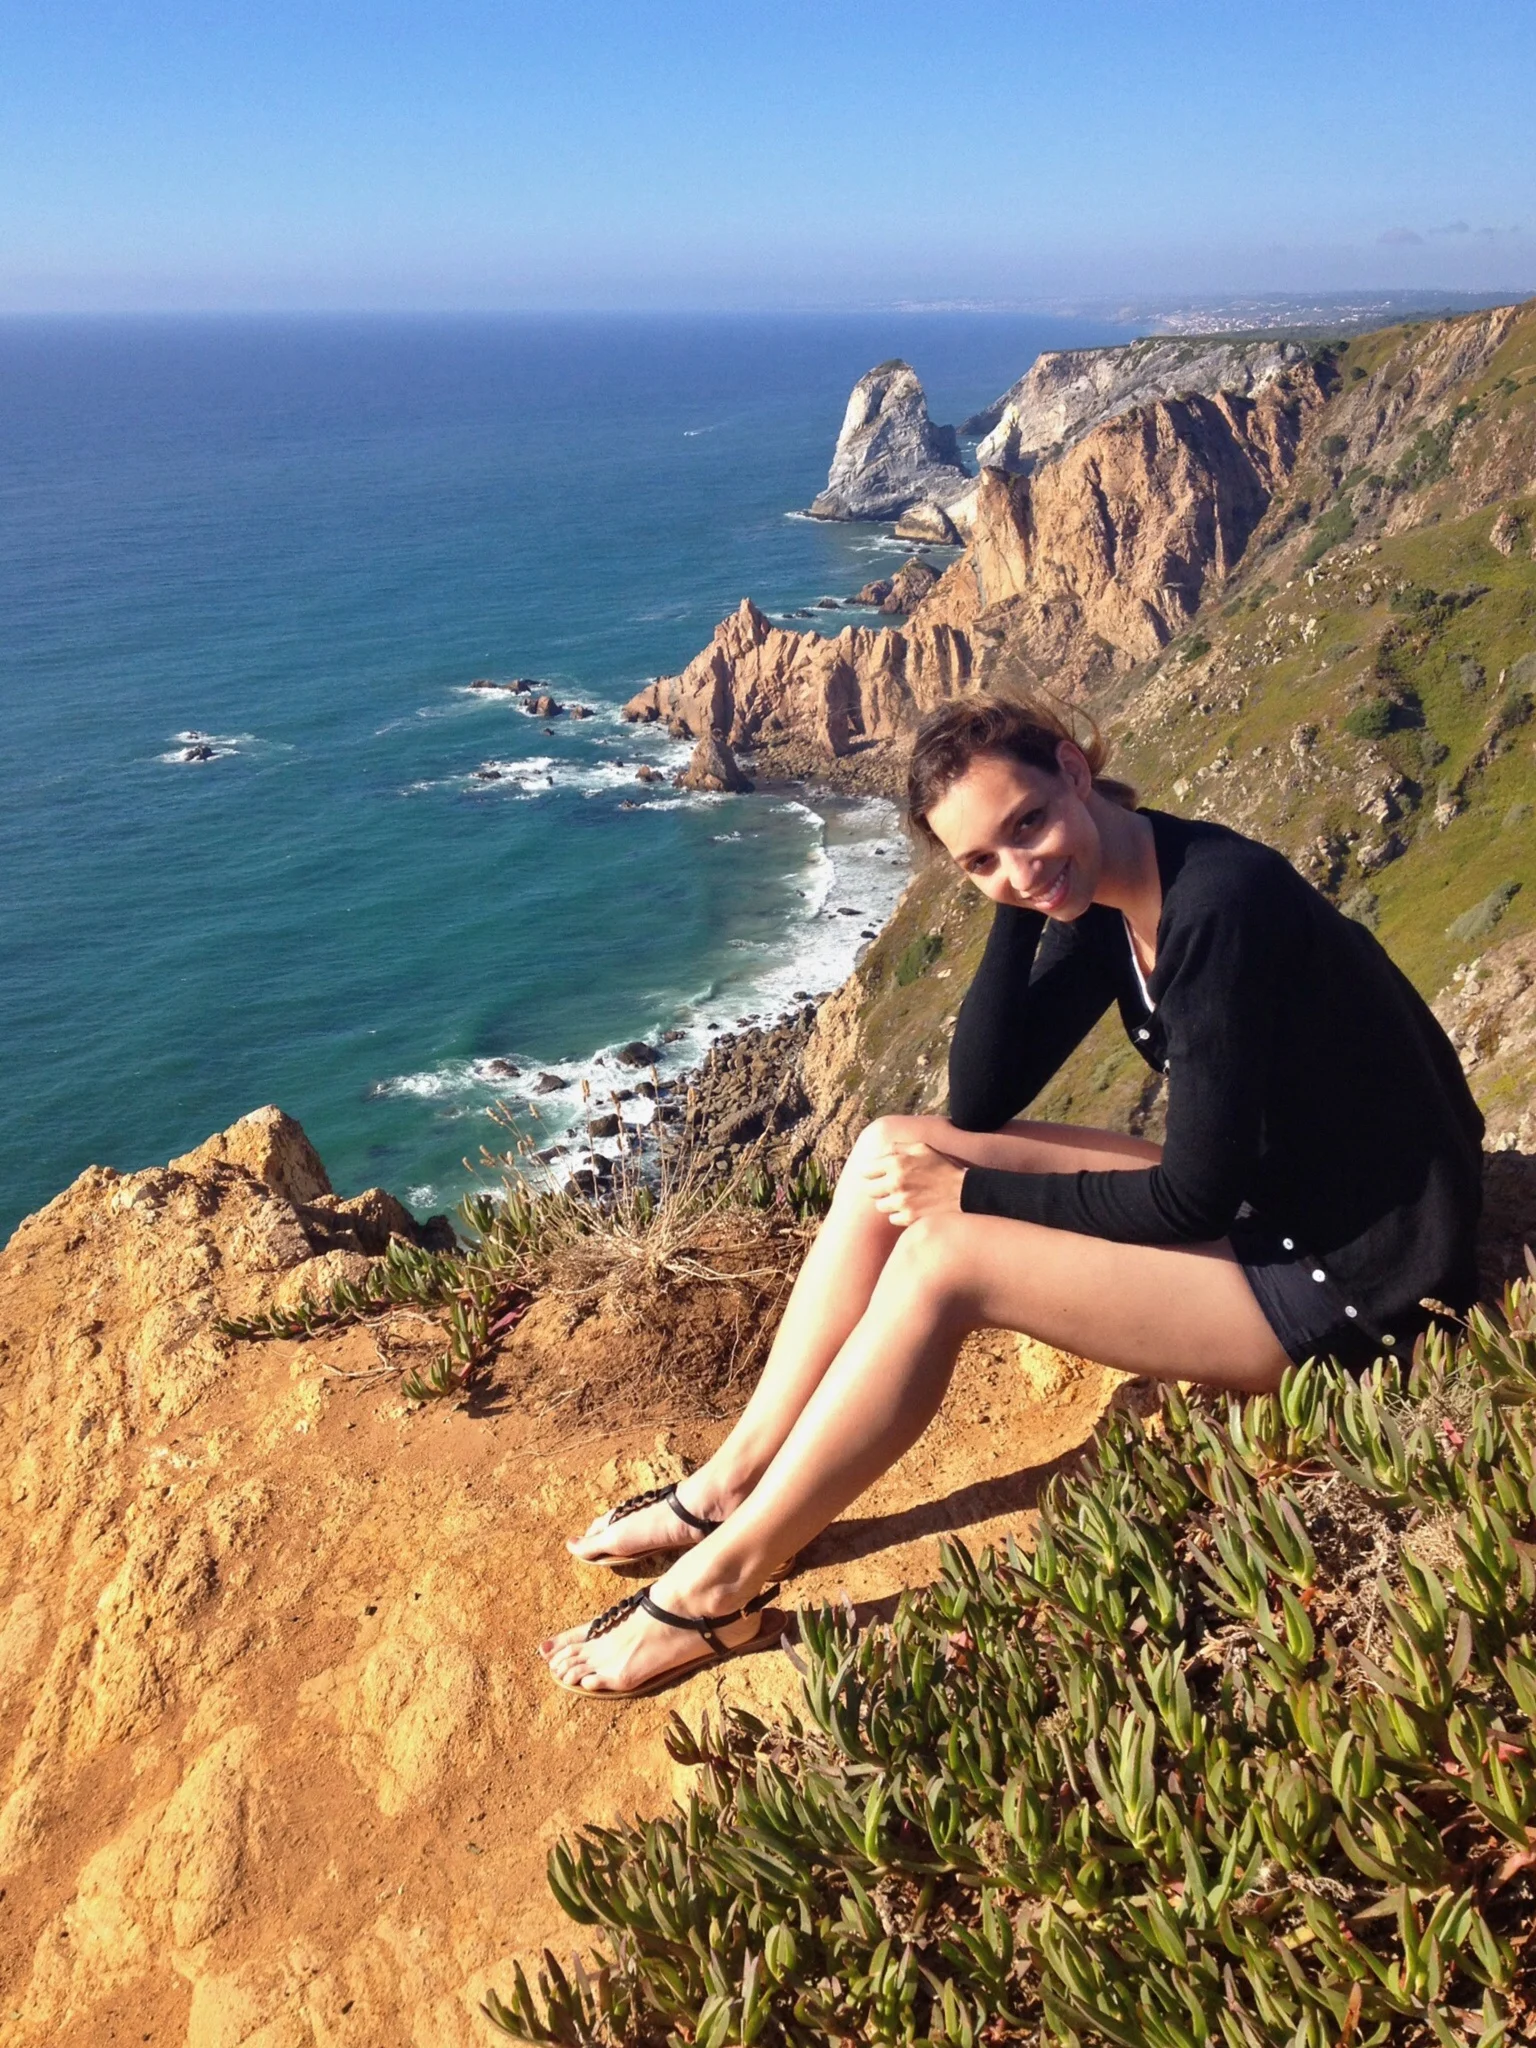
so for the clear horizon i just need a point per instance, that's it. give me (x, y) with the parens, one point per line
(679, 157)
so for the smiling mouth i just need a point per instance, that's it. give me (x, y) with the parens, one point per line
(1051, 899)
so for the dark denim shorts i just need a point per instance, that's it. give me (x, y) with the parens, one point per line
(1307, 1310)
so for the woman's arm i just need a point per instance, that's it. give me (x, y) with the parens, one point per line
(1217, 1006)
(1031, 1004)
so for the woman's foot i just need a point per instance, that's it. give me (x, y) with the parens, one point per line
(638, 1651)
(647, 1530)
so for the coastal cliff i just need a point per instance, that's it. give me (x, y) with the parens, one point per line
(1082, 570)
(1065, 393)
(1099, 559)
(757, 681)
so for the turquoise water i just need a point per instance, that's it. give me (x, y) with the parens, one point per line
(304, 539)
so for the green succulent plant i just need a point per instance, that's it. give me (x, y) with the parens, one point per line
(1242, 1751)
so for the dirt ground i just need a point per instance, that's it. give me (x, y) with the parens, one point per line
(279, 1764)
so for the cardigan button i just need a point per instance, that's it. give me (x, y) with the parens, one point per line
(1143, 1035)
(1318, 1273)
(1289, 1243)
(1351, 1311)
(1388, 1338)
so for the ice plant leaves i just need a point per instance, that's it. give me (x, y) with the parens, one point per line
(1242, 1752)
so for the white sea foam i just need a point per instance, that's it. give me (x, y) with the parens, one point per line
(223, 744)
(690, 800)
(855, 863)
(588, 776)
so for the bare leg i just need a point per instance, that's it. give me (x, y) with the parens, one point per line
(831, 1293)
(1185, 1311)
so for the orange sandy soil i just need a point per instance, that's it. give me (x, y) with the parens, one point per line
(280, 1763)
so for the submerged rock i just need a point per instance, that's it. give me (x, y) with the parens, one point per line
(889, 454)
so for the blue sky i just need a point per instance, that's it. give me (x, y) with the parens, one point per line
(736, 153)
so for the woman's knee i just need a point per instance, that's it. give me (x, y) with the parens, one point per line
(873, 1142)
(885, 1132)
(930, 1263)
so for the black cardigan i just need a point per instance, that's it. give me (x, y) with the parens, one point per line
(1307, 1078)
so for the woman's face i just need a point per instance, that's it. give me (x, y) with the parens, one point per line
(1023, 836)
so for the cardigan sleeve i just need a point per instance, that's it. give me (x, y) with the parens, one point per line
(1032, 1002)
(1218, 999)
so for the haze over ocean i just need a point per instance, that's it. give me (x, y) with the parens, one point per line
(303, 538)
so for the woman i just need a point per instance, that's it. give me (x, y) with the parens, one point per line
(1319, 1180)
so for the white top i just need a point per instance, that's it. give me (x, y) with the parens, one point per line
(1141, 979)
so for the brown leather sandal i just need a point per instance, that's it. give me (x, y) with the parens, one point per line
(700, 1624)
(632, 1506)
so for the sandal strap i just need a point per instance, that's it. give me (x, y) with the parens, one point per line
(636, 1502)
(704, 1625)
(649, 1498)
(701, 1624)
(612, 1616)
(700, 1522)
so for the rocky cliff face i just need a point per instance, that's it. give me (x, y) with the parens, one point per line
(757, 681)
(889, 454)
(1084, 569)
(1101, 557)
(1068, 392)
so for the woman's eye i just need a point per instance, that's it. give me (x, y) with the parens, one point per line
(1029, 823)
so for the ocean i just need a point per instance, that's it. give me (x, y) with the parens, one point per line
(293, 545)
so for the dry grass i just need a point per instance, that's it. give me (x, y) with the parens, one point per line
(659, 1285)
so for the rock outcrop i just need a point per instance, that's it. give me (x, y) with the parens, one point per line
(1083, 569)
(279, 1763)
(928, 522)
(1066, 393)
(909, 586)
(714, 767)
(889, 454)
(757, 681)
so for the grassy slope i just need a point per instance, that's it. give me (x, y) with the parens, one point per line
(1243, 719)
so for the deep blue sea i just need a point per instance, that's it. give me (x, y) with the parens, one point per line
(303, 540)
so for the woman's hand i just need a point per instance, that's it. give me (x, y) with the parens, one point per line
(910, 1181)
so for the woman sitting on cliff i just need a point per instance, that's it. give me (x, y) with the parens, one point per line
(1319, 1178)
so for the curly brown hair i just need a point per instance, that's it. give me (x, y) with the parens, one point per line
(1019, 726)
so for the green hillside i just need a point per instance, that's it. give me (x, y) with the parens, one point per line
(1359, 694)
